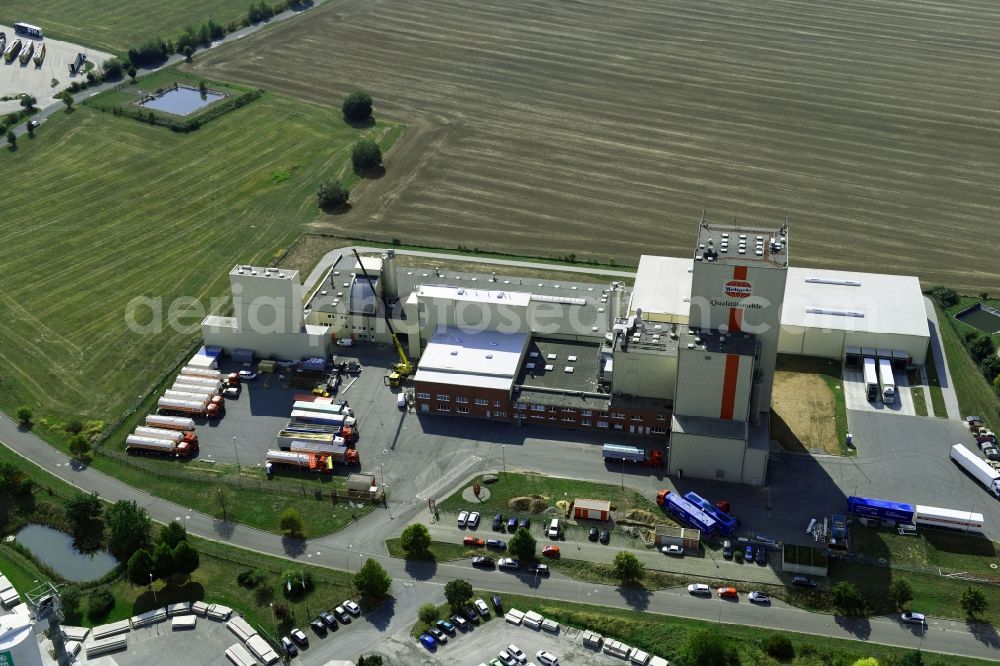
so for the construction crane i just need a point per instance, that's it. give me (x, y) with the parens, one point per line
(402, 368)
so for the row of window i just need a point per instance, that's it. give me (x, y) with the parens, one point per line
(482, 402)
(460, 399)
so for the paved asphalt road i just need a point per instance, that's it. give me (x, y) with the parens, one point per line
(417, 581)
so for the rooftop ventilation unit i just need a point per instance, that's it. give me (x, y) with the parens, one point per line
(563, 300)
(836, 313)
(843, 283)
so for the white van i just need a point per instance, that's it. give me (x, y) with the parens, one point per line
(553, 530)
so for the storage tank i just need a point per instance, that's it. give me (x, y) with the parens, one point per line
(159, 433)
(170, 422)
(18, 645)
(390, 285)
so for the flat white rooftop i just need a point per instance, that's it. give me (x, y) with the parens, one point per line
(662, 286)
(485, 353)
(513, 298)
(265, 272)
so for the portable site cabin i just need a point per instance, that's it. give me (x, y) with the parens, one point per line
(589, 509)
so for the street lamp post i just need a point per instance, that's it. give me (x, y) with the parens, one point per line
(305, 597)
(157, 603)
(503, 453)
(274, 620)
(623, 473)
(236, 451)
(348, 558)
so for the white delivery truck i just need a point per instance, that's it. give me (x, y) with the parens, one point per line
(871, 379)
(886, 381)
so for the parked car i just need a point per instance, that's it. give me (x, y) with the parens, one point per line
(673, 549)
(497, 521)
(991, 453)
(496, 543)
(345, 342)
(319, 627)
(341, 614)
(289, 647)
(352, 608)
(524, 523)
(438, 635)
(727, 549)
(762, 556)
(460, 622)
(728, 593)
(699, 588)
(759, 598)
(473, 541)
(802, 581)
(470, 614)
(540, 569)
(547, 658)
(463, 518)
(473, 521)
(497, 604)
(329, 620)
(482, 562)
(482, 608)
(550, 551)
(517, 653)
(748, 553)
(299, 637)
(445, 626)
(428, 641)
(508, 563)
(512, 524)
(553, 530)
(604, 537)
(506, 659)
(910, 617)
(247, 375)
(495, 662)
(592, 534)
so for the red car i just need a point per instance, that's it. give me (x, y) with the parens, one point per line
(550, 551)
(729, 592)
(473, 541)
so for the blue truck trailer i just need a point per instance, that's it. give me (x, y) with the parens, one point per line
(881, 509)
(726, 523)
(681, 508)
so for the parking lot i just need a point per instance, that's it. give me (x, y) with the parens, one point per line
(855, 394)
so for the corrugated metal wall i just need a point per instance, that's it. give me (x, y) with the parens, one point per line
(701, 379)
(703, 457)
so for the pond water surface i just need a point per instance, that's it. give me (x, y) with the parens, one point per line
(181, 101)
(56, 550)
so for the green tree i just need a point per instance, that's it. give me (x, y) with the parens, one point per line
(139, 567)
(982, 347)
(172, 534)
(83, 510)
(944, 296)
(129, 528)
(24, 413)
(705, 647)
(291, 524)
(846, 598)
(900, 592)
(415, 540)
(332, 195)
(132, 71)
(628, 569)
(522, 545)
(366, 155)
(188, 52)
(12, 142)
(357, 107)
(996, 384)
(373, 581)
(779, 647)
(74, 426)
(70, 598)
(112, 69)
(428, 613)
(991, 367)
(457, 593)
(186, 558)
(28, 102)
(100, 604)
(79, 446)
(163, 562)
(973, 601)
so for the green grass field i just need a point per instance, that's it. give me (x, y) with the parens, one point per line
(975, 396)
(934, 384)
(117, 26)
(109, 209)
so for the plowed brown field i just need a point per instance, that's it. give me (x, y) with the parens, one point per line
(603, 128)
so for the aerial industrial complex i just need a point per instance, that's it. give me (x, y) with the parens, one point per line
(686, 354)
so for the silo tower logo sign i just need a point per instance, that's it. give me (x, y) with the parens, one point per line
(738, 289)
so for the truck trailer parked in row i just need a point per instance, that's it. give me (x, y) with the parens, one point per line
(977, 468)
(886, 381)
(932, 516)
(172, 407)
(339, 453)
(867, 507)
(197, 397)
(160, 447)
(726, 523)
(632, 454)
(871, 379)
(213, 385)
(312, 462)
(323, 408)
(679, 507)
(164, 433)
(170, 422)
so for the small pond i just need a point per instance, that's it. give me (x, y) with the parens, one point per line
(56, 550)
(181, 100)
(981, 316)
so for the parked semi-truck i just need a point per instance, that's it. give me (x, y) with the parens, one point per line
(172, 407)
(726, 523)
(285, 438)
(312, 427)
(170, 422)
(165, 433)
(213, 385)
(886, 381)
(977, 468)
(881, 509)
(197, 387)
(160, 447)
(313, 462)
(932, 516)
(632, 454)
(679, 507)
(194, 397)
(871, 379)
(303, 416)
(323, 408)
(340, 454)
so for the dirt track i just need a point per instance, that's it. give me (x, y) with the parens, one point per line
(604, 128)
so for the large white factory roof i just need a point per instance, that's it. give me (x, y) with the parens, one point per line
(486, 359)
(814, 298)
(662, 285)
(518, 298)
(843, 300)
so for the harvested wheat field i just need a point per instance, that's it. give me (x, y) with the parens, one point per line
(542, 127)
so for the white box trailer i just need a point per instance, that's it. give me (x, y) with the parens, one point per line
(325, 408)
(302, 416)
(170, 422)
(871, 378)
(977, 468)
(886, 381)
(932, 516)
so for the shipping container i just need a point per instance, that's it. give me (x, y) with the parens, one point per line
(882, 509)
